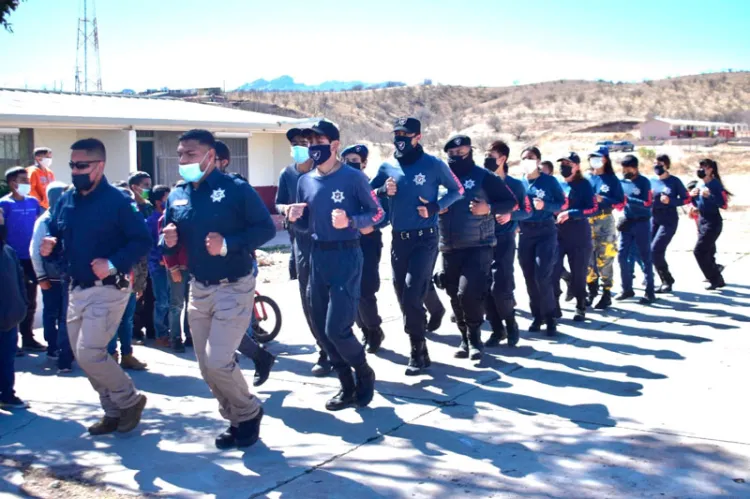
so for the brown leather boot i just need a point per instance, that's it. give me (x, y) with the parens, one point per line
(106, 425)
(130, 362)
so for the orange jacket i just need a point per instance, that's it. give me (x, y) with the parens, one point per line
(40, 179)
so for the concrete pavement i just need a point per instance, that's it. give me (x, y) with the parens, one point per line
(638, 402)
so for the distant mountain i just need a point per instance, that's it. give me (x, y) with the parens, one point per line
(287, 84)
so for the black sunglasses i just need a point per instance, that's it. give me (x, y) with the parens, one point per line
(82, 165)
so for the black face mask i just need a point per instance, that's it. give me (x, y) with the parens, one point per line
(491, 164)
(403, 146)
(566, 171)
(659, 170)
(702, 173)
(356, 166)
(460, 164)
(629, 175)
(82, 182)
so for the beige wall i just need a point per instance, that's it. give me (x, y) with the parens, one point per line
(268, 155)
(120, 145)
(656, 129)
(281, 154)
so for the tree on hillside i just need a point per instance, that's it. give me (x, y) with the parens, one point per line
(518, 130)
(495, 123)
(6, 7)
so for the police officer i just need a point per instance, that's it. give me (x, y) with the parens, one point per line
(574, 231)
(101, 235)
(609, 195)
(669, 193)
(467, 235)
(537, 241)
(371, 242)
(500, 302)
(301, 242)
(635, 229)
(220, 220)
(709, 197)
(335, 202)
(262, 359)
(412, 186)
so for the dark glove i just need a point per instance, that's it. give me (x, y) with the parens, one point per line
(439, 279)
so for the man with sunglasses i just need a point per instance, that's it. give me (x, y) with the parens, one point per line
(102, 235)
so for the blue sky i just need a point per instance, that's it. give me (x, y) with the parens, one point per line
(194, 43)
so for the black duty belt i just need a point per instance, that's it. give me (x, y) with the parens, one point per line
(334, 245)
(107, 281)
(217, 282)
(545, 223)
(416, 233)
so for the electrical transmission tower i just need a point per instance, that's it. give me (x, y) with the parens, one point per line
(88, 40)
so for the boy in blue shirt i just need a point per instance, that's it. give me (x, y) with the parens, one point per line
(334, 202)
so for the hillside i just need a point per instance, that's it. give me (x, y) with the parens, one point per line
(536, 113)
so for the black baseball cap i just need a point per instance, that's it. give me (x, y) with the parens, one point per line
(630, 161)
(572, 157)
(457, 141)
(293, 133)
(358, 149)
(327, 129)
(407, 124)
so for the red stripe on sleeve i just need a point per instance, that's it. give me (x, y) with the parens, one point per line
(458, 182)
(593, 210)
(650, 199)
(726, 200)
(378, 214)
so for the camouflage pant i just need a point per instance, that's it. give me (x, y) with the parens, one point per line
(604, 233)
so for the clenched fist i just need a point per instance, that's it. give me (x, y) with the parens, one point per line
(100, 268)
(295, 211)
(48, 244)
(214, 242)
(170, 235)
(664, 199)
(339, 219)
(502, 219)
(390, 186)
(479, 207)
(538, 204)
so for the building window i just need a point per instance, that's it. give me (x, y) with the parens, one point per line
(10, 154)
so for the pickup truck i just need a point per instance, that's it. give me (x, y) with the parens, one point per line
(622, 145)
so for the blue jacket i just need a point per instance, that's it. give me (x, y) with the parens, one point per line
(102, 224)
(346, 189)
(422, 179)
(459, 228)
(639, 198)
(547, 188)
(709, 207)
(222, 204)
(608, 186)
(673, 188)
(14, 305)
(580, 202)
(522, 210)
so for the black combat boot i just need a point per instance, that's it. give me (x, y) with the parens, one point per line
(463, 349)
(605, 301)
(419, 358)
(513, 333)
(365, 384)
(475, 343)
(347, 395)
(593, 292)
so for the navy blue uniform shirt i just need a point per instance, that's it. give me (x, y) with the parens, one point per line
(709, 207)
(547, 188)
(345, 189)
(673, 188)
(423, 179)
(287, 191)
(102, 224)
(638, 198)
(608, 186)
(522, 211)
(222, 204)
(581, 202)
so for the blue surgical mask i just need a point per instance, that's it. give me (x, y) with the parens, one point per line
(192, 171)
(300, 154)
(320, 153)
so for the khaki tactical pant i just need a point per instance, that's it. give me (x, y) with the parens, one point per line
(219, 316)
(604, 235)
(94, 315)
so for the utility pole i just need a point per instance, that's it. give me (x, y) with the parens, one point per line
(88, 35)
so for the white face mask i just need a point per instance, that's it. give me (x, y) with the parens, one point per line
(596, 162)
(24, 189)
(529, 165)
(46, 162)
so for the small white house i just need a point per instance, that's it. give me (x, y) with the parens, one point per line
(667, 128)
(140, 134)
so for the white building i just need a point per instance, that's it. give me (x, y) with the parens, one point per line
(140, 134)
(668, 128)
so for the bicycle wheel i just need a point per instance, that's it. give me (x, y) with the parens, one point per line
(268, 315)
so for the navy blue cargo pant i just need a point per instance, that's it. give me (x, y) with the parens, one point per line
(500, 303)
(638, 233)
(662, 233)
(466, 274)
(413, 256)
(537, 254)
(705, 249)
(302, 249)
(335, 280)
(368, 317)
(575, 243)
